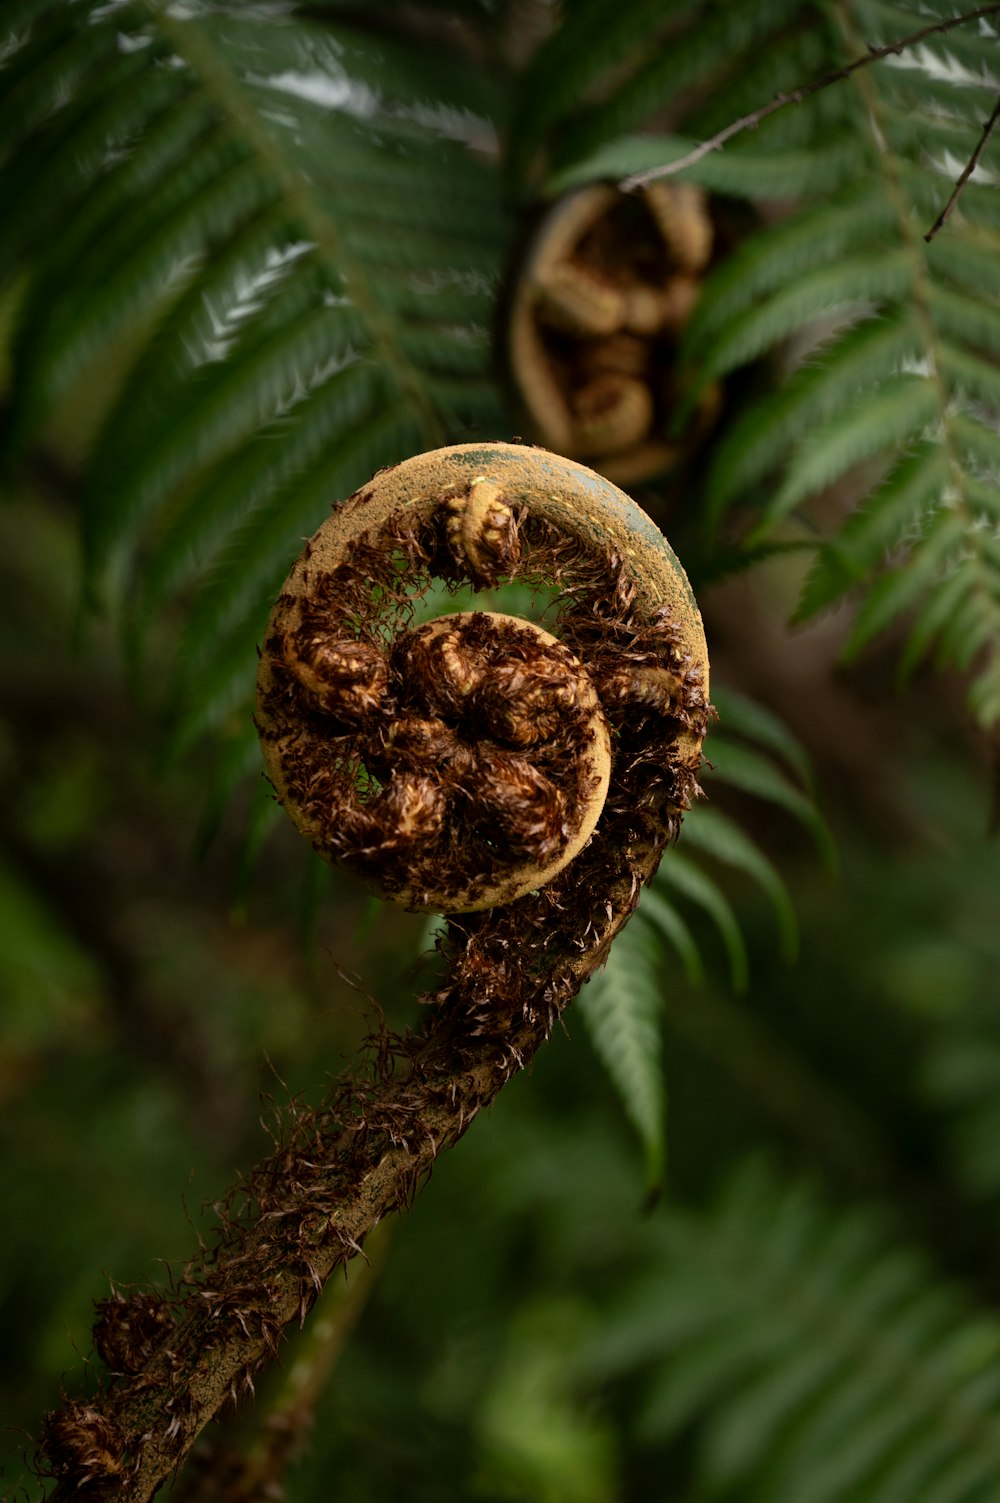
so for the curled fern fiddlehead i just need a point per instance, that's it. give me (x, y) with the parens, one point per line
(347, 675)
(599, 305)
(477, 745)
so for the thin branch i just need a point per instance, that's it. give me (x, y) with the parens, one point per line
(796, 96)
(970, 168)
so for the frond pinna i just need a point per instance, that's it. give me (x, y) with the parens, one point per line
(280, 240)
(879, 428)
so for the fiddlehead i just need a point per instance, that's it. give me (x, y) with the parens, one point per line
(598, 307)
(461, 764)
(381, 736)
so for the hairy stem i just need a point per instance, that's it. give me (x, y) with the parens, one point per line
(304, 1212)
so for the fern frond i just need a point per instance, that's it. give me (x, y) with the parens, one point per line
(748, 718)
(803, 403)
(842, 291)
(874, 530)
(622, 1006)
(625, 1001)
(682, 876)
(698, 52)
(892, 416)
(816, 1357)
(671, 926)
(744, 767)
(569, 63)
(908, 383)
(609, 68)
(297, 234)
(747, 172)
(900, 338)
(217, 655)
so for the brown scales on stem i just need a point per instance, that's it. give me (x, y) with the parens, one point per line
(507, 973)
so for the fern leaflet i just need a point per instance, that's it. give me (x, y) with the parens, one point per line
(291, 235)
(817, 1358)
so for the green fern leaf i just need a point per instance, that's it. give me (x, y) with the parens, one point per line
(745, 768)
(894, 415)
(621, 1007)
(730, 1331)
(262, 478)
(707, 832)
(571, 60)
(714, 833)
(841, 291)
(697, 53)
(684, 877)
(744, 173)
(764, 263)
(299, 257)
(870, 535)
(667, 920)
(217, 656)
(874, 351)
(900, 588)
(39, 72)
(898, 338)
(965, 263)
(962, 316)
(749, 719)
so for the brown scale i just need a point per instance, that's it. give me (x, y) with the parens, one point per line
(481, 534)
(80, 1444)
(128, 1330)
(518, 804)
(344, 679)
(523, 703)
(440, 668)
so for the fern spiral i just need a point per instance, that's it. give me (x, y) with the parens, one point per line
(463, 763)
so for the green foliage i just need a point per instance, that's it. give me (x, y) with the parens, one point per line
(252, 255)
(888, 394)
(814, 1357)
(622, 1006)
(293, 237)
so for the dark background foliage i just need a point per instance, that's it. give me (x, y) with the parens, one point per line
(226, 302)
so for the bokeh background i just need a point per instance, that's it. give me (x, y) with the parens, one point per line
(808, 1310)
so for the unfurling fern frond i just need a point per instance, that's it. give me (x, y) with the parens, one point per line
(623, 1005)
(904, 382)
(814, 1357)
(289, 235)
(897, 402)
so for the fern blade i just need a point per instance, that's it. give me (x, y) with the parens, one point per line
(691, 882)
(713, 832)
(864, 543)
(621, 1007)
